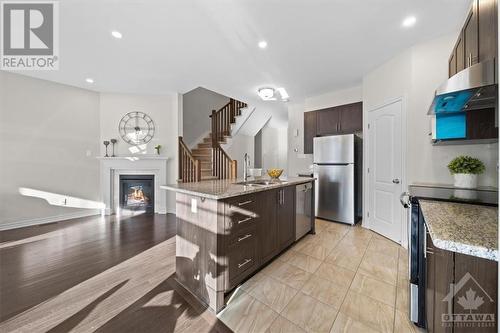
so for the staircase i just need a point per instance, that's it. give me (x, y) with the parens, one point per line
(208, 160)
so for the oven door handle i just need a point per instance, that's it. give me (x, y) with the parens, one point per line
(401, 199)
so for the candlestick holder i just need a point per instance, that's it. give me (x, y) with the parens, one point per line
(113, 141)
(106, 144)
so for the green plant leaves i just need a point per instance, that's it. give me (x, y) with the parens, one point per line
(466, 164)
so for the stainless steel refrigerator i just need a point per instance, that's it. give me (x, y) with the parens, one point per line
(338, 171)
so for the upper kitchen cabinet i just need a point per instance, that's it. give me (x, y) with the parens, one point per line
(478, 38)
(328, 121)
(488, 41)
(351, 118)
(343, 119)
(471, 37)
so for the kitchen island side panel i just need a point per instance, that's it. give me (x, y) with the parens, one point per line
(197, 264)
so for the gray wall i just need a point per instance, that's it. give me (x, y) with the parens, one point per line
(197, 107)
(258, 150)
(49, 137)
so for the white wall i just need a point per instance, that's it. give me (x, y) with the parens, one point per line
(429, 69)
(47, 131)
(197, 107)
(165, 112)
(237, 147)
(334, 98)
(413, 75)
(274, 148)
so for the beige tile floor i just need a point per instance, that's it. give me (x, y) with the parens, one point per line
(343, 279)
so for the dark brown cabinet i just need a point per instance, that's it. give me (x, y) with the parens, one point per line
(470, 37)
(351, 118)
(478, 38)
(449, 275)
(343, 119)
(488, 17)
(310, 131)
(268, 226)
(460, 55)
(328, 121)
(286, 216)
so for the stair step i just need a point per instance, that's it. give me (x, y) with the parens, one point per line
(203, 158)
(208, 177)
(202, 151)
(205, 145)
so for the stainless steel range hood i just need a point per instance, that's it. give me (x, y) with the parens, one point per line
(470, 89)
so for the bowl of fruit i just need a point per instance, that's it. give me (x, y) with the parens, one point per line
(274, 173)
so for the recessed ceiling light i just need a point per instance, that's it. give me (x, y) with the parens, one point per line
(116, 34)
(409, 21)
(262, 44)
(89, 80)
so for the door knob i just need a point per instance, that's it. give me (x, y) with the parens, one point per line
(395, 181)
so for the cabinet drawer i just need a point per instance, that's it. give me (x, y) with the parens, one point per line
(242, 236)
(242, 257)
(240, 214)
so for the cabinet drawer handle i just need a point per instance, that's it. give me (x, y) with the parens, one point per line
(244, 237)
(244, 220)
(244, 263)
(244, 202)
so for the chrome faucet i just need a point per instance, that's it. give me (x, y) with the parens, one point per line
(246, 165)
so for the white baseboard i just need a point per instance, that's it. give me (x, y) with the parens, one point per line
(50, 219)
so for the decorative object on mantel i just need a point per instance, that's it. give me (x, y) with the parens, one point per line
(158, 147)
(113, 141)
(465, 170)
(106, 144)
(136, 128)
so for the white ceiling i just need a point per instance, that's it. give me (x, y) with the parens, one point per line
(176, 45)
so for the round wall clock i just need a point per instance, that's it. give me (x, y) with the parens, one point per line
(136, 128)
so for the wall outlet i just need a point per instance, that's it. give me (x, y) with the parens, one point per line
(88, 153)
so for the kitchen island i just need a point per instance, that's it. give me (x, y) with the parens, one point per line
(227, 230)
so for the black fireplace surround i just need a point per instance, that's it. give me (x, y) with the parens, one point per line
(137, 193)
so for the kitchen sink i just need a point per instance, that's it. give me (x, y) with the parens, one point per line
(260, 182)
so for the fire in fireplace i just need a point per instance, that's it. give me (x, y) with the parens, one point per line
(137, 193)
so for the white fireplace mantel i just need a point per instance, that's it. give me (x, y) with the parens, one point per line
(113, 167)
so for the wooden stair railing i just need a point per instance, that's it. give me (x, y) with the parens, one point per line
(223, 118)
(189, 167)
(223, 166)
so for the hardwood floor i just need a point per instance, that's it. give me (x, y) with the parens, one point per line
(96, 274)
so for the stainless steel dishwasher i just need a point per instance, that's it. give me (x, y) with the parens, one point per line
(304, 209)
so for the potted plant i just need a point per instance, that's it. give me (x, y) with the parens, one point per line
(465, 170)
(158, 147)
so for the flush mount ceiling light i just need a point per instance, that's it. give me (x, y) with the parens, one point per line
(89, 80)
(262, 44)
(116, 34)
(409, 21)
(267, 94)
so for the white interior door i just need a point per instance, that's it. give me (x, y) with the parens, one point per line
(385, 170)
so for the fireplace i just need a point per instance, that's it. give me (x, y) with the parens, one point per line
(137, 193)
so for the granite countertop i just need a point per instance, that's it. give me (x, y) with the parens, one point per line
(227, 188)
(462, 228)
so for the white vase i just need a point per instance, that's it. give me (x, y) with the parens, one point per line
(465, 180)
